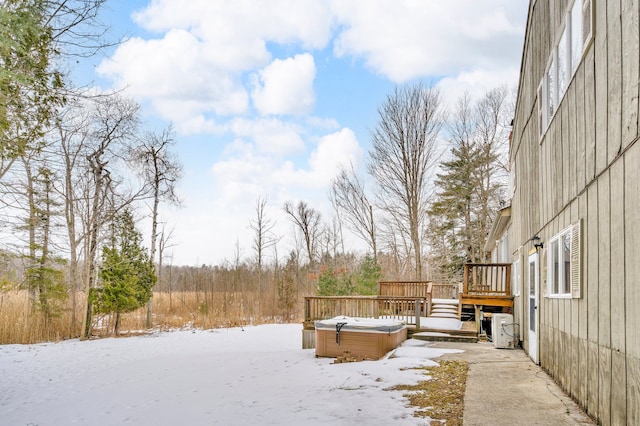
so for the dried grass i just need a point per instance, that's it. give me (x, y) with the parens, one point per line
(19, 323)
(441, 398)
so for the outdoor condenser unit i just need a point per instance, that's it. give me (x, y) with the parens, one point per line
(503, 331)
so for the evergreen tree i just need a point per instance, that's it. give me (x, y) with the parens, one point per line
(126, 273)
(29, 88)
(332, 282)
(367, 277)
(452, 214)
(469, 185)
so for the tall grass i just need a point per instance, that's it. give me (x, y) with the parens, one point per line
(20, 323)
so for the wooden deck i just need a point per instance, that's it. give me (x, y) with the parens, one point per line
(484, 285)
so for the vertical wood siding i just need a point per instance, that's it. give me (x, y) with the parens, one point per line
(585, 168)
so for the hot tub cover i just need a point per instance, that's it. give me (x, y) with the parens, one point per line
(361, 324)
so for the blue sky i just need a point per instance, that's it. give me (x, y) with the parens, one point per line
(268, 98)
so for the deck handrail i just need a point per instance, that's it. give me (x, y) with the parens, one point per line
(408, 309)
(403, 288)
(418, 289)
(492, 279)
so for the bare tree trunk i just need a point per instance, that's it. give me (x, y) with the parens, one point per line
(403, 158)
(308, 222)
(160, 170)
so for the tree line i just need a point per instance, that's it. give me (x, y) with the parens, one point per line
(74, 165)
(77, 165)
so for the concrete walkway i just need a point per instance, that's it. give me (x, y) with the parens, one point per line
(504, 387)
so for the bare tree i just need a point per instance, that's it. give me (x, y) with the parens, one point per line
(403, 157)
(160, 171)
(470, 186)
(348, 197)
(164, 243)
(264, 237)
(73, 127)
(115, 122)
(307, 221)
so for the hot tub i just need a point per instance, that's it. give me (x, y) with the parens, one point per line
(363, 338)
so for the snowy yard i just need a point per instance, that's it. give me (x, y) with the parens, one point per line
(258, 376)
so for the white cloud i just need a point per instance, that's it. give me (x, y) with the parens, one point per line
(244, 23)
(335, 150)
(195, 71)
(271, 136)
(286, 86)
(246, 174)
(246, 171)
(196, 67)
(177, 75)
(408, 39)
(475, 83)
(208, 66)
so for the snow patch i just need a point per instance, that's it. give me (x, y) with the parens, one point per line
(256, 375)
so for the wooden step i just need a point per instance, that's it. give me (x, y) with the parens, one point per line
(439, 336)
(445, 315)
(435, 309)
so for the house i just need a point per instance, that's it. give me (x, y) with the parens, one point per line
(574, 231)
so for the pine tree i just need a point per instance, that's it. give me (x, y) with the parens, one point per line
(367, 276)
(470, 184)
(126, 273)
(452, 213)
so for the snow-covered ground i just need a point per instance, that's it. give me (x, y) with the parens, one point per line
(255, 376)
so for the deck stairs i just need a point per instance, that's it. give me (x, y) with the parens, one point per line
(446, 309)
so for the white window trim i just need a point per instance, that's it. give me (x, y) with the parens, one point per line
(516, 280)
(545, 116)
(574, 286)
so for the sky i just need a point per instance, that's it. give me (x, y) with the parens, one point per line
(252, 376)
(268, 99)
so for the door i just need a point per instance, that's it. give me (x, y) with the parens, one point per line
(534, 287)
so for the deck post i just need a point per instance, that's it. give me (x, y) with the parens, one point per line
(418, 310)
(478, 309)
(465, 282)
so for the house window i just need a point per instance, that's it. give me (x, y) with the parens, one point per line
(551, 82)
(564, 263)
(564, 59)
(577, 41)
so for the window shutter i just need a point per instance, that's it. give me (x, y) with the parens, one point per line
(576, 257)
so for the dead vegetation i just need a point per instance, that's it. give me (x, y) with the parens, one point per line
(20, 323)
(441, 398)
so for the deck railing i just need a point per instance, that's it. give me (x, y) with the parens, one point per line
(403, 288)
(419, 289)
(407, 309)
(487, 279)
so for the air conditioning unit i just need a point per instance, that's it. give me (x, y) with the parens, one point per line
(503, 331)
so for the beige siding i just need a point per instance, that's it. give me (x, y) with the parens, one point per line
(585, 168)
(630, 78)
(589, 115)
(614, 82)
(604, 271)
(600, 81)
(632, 248)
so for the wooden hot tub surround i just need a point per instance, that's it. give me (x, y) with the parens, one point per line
(361, 337)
